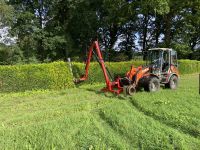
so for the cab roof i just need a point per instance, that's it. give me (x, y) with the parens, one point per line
(163, 49)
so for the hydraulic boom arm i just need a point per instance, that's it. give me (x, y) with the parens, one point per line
(95, 45)
(112, 86)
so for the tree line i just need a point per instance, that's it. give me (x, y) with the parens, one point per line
(49, 30)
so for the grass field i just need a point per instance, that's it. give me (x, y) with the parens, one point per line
(84, 118)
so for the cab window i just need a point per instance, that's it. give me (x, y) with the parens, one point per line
(174, 58)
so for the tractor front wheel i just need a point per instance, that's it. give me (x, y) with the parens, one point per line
(173, 83)
(131, 90)
(152, 85)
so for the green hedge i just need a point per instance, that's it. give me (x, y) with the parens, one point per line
(189, 66)
(95, 72)
(120, 68)
(30, 77)
(57, 75)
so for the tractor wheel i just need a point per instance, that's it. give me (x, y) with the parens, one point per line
(173, 83)
(152, 85)
(130, 90)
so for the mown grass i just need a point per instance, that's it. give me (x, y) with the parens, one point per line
(84, 118)
(179, 109)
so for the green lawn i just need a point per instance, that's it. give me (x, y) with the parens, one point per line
(84, 118)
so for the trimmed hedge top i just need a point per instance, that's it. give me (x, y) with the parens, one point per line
(57, 75)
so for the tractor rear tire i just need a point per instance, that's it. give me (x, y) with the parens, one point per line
(152, 85)
(173, 83)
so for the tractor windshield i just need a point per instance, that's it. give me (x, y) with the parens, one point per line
(155, 58)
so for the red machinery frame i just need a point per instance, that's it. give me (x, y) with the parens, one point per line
(111, 86)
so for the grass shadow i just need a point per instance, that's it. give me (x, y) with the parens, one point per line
(107, 94)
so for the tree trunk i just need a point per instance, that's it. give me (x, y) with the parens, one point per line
(40, 41)
(157, 30)
(168, 25)
(145, 30)
(113, 35)
(113, 39)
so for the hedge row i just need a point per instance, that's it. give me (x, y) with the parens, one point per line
(120, 68)
(189, 66)
(32, 77)
(95, 72)
(57, 75)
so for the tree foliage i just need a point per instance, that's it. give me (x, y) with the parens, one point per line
(49, 30)
(6, 13)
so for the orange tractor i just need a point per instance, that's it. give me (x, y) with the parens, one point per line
(161, 68)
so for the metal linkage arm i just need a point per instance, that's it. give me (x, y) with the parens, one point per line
(95, 45)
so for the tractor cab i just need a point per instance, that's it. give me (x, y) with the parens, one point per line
(162, 61)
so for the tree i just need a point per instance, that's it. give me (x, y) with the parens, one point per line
(10, 55)
(6, 13)
(39, 32)
(149, 29)
(50, 30)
